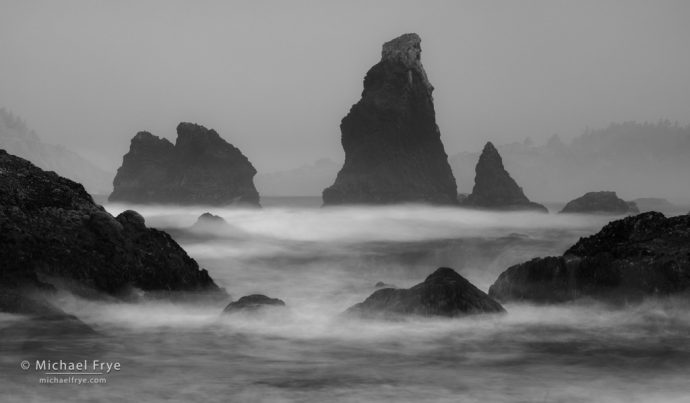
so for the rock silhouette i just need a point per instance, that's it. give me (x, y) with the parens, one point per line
(443, 293)
(53, 235)
(628, 259)
(201, 168)
(494, 188)
(252, 303)
(393, 148)
(600, 203)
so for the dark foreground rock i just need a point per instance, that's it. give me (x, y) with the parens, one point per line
(443, 293)
(628, 259)
(54, 236)
(393, 148)
(252, 303)
(600, 203)
(494, 188)
(201, 168)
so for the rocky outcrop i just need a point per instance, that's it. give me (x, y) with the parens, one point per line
(628, 259)
(600, 203)
(252, 303)
(393, 148)
(494, 188)
(443, 293)
(201, 168)
(54, 236)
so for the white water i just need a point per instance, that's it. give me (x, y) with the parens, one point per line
(321, 261)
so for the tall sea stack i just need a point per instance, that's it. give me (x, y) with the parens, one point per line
(494, 188)
(393, 149)
(201, 168)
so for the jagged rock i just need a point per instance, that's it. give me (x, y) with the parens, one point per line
(443, 293)
(252, 303)
(628, 259)
(201, 168)
(494, 188)
(54, 235)
(600, 203)
(393, 148)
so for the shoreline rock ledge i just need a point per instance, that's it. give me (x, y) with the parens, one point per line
(200, 168)
(393, 148)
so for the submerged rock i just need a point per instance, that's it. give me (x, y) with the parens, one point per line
(54, 235)
(443, 293)
(209, 220)
(600, 203)
(494, 188)
(201, 168)
(628, 259)
(252, 303)
(393, 148)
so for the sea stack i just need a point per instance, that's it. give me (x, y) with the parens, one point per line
(605, 202)
(393, 148)
(200, 168)
(494, 188)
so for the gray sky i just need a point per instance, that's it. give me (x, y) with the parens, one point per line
(276, 77)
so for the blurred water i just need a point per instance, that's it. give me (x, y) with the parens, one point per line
(321, 261)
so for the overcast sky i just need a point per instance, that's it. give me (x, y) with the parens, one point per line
(276, 77)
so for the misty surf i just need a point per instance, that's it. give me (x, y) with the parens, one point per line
(320, 261)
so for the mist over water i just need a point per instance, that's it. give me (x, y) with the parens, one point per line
(320, 261)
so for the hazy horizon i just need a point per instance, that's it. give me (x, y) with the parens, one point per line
(89, 75)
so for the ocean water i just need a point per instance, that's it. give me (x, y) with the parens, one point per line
(320, 261)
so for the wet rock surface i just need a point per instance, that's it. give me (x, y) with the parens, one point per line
(628, 259)
(443, 293)
(54, 236)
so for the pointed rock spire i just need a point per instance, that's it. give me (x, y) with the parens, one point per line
(494, 188)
